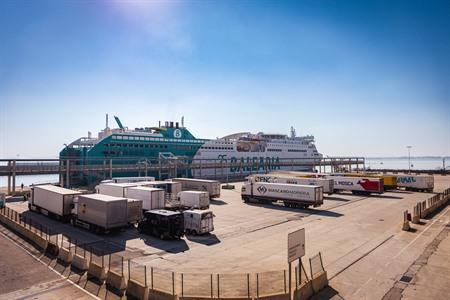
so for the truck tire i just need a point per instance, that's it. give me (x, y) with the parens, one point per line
(194, 232)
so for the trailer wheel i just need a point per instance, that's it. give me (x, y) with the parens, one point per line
(161, 236)
(194, 232)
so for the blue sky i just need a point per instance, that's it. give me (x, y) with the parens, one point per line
(365, 77)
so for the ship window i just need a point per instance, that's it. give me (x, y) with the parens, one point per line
(141, 138)
(114, 137)
(141, 145)
(136, 145)
(165, 146)
(119, 137)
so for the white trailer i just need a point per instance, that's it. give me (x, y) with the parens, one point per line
(134, 211)
(292, 195)
(118, 189)
(357, 185)
(416, 182)
(100, 213)
(152, 198)
(198, 221)
(170, 187)
(326, 184)
(193, 184)
(53, 201)
(193, 199)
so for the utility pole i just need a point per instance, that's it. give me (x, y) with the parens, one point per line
(409, 158)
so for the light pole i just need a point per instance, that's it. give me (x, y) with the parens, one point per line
(409, 158)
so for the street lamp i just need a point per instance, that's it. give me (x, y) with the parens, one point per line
(409, 158)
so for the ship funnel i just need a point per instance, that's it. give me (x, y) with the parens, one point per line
(176, 124)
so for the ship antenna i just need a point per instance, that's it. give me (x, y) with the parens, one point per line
(106, 121)
(182, 121)
(292, 132)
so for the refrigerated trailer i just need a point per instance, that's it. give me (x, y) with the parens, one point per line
(193, 184)
(52, 201)
(198, 221)
(134, 211)
(389, 181)
(152, 198)
(326, 184)
(193, 199)
(358, 185)
(292, 195)
(100, 213)
(416, 182)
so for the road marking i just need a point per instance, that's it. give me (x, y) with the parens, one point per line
(45, 264)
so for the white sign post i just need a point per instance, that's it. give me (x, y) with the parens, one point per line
(295, 250)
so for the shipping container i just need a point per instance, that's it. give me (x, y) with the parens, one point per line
(416, 182)
(192, 184)
(326, 184)
(53, 201)
(152, 198)
(100, 213)
(193, 199)
(198, 221)
(292, 195)
(357, 185)
(132, 179)
(134, 211)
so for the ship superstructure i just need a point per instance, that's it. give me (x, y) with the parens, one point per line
(173, 140)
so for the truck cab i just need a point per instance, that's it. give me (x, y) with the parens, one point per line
(162, 224)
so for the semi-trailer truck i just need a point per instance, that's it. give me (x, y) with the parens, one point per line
(416, 182)
(52, 201)
(358, 185)
(326, 184)
(292, 195)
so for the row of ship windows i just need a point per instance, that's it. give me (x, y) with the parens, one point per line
(185, 147)
(141, 138)
(217, 148)
(289, 150)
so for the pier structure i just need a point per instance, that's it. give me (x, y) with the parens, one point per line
(166, 167)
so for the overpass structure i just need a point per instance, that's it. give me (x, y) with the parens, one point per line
(165, 167)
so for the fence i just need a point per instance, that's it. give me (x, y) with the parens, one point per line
(103, 255)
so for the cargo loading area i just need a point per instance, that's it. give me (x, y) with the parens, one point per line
(364, 250)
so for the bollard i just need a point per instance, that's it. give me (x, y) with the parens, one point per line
(416, 218)
(405, 226)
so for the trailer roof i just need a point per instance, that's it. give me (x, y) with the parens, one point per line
(195, 179)
(195, 192)
(102, 197)
(162, 212)
(57, 189)
(146, 188)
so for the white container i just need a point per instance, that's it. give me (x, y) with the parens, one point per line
(114, 189)
(50, 199)
(416, 182)
(102, 211)
(194, 199)
(152, 198)
(192, 184)
(290, 194)
(170, 187)
(134, 210)
(198, 221)
(357, 185)
(326, 184)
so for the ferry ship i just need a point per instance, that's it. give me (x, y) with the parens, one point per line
(173, 140)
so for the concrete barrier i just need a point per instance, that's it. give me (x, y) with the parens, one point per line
(405, 225)
(116, 280)
(137, 290)
(159, 295)
(96, 271)
(79, 262)
(305, 291)
(52, 249)
(319, 282)
(273, 297)
(65, 255)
